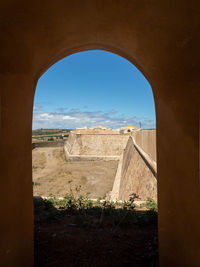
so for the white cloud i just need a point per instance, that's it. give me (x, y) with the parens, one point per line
(68, 117)
(76, 118)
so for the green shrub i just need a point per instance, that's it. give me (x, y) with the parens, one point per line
(100, 213)
(151, 204)
(35, 183)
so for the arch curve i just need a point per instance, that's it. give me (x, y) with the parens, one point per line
(158, 38)
(89, 47)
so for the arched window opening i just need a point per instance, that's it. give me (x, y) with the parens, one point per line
(94, 160)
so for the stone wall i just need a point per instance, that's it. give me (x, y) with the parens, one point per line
(136, 171)
(146, 139)
(134, 175)
(95, 145)
(162, 40)
(94, 131)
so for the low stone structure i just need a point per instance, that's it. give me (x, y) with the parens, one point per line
(136, 172)
(93, 144)
(99, 127)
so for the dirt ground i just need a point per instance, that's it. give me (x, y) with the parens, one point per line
(64, 243)
(63, 239)
(52, 174)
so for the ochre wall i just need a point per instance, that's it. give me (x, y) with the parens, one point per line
(136, 177)
(146, 139)
(133, 174)
(162, 39)
(97, 144)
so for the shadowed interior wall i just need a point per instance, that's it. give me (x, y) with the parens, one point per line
(162, 39)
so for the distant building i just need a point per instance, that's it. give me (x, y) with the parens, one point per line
(99, 127)
(128, 129)
(84, 128)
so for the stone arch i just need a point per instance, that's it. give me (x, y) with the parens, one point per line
(164, 41)
(87, 47)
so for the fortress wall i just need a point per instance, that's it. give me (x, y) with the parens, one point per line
(123, 164)
(71, 140)
(134, 173)
(133, 176)
(93, 131)
(146, 139)
(137, 178)
(127, 155)
(96, 144)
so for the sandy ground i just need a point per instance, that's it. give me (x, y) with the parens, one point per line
(54, 175)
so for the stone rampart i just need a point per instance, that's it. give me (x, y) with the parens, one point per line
(95, 146)
(137, 176)
(146, 139)
(94, 131)
(136, 172)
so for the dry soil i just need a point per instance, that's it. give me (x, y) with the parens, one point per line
(52, 174)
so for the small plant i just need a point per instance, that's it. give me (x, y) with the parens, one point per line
(51, 139)
(98, 202)
(129, 205)
(68, 203)
(84, 203)
(34, 167)
(36, 183)
(86, 212)
(151, 204)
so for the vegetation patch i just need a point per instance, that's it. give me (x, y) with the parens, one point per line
(76, 231)
(88, 213)
(36, 183)
(151, 204)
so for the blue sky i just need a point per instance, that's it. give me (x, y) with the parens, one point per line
(91, 88)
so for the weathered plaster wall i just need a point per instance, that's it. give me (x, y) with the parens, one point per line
(94, 131)
(96, 144)
(137, 177)
(162, 39)
(133, 176)
(146, 139)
